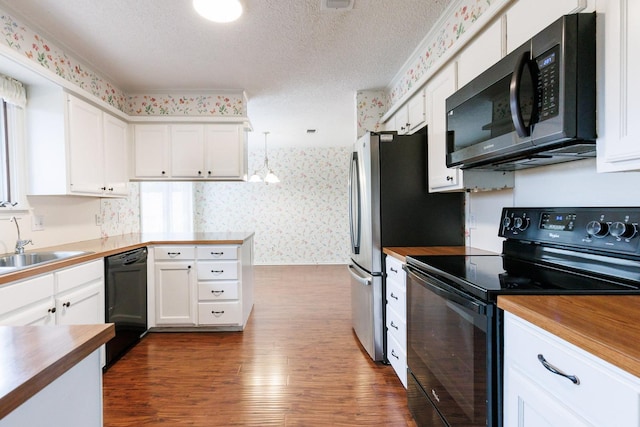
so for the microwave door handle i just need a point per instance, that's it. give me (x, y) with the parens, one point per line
(354, 204)
(514, 94)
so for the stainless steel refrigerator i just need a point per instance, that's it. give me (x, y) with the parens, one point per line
(389, 205)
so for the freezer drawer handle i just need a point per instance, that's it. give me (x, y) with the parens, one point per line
(217, 293)
(358, 278)
(217, 313)
(557, 371)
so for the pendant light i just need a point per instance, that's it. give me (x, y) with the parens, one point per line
(270, 177)
(221, 11)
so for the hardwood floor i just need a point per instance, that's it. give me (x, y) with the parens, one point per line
(297, 363)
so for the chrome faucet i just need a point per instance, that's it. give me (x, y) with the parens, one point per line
(20, 244)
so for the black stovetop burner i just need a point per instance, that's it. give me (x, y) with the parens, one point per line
(550, 251)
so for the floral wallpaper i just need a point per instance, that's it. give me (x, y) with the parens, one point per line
(121, 216)
(198, 105)
(371, 106)
(301, 220)
(465, 14)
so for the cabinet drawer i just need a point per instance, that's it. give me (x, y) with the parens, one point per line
(395, 273)
(397, 299)
(398, 359)
(218, 290)
(397, 327)
(219, 313)
(222, 270)
(217, 252)
(606, 395)
(72, 277)
(19, 294)
(174, 252)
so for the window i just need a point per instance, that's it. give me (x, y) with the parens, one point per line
(166, 207)
(12, 141)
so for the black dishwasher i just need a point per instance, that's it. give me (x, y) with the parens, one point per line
(125, 300)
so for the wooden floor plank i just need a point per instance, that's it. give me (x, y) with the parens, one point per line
(298, 363)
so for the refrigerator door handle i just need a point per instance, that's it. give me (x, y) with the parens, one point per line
(355, 220)
(357, 277)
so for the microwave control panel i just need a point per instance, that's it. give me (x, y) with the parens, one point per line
(548, 83)
(608, 229)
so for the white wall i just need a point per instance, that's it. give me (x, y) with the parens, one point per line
(572, 184)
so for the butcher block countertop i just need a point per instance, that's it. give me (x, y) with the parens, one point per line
(99, 248)
(401, 252)
(32, 357)
(606, 326)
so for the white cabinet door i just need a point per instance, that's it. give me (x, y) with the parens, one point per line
(81, 306)
(116, 167)
(151, 151)
(187, 148)
(526, 18)
(480, 54)
(402, 120)
(175, 293)
(416, 112)
(619, 96)
(28, 302)
(441, 178)
(592, 392)
(86, 164)
(224, 153)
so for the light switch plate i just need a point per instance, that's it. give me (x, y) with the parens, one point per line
(37, 222)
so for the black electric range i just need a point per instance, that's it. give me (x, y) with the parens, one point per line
(454, 329)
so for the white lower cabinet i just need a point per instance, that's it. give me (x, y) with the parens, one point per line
(592, 392)
(396, 317)
(204, 286)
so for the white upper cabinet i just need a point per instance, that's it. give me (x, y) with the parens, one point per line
(482, 53)
(526, 17)
(618, 68)
(191, 151)
(74, 147)
(151, 153)
(411, 117)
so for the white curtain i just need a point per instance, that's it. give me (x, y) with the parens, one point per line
(12, 91)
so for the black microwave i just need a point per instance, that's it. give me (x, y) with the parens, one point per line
(535, 106)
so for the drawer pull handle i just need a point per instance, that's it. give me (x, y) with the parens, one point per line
(394, 326)
(173, 254)
(217, 271)
(217, 293)
(218, 254)
(393, 269)
(557, 371)
(217, 313)
(393, 353)
(393, 296)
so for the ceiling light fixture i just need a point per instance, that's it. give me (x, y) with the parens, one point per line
(218, 10)
(270, 177)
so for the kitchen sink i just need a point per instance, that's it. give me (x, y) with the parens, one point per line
(12, 262)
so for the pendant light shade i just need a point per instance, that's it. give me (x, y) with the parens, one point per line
(221, 11)
(270, 177)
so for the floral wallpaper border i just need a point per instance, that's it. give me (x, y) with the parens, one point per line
(462, 16)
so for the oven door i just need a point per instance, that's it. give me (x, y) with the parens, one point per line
(451, 353)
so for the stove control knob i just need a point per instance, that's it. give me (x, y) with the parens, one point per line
(521, 223)
(506, 222)
(598, 228)
(623, 230)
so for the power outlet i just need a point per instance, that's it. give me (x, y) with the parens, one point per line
(37, 222)
(473, 224)
(98, 219)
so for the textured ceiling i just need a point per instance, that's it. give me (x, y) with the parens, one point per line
(299, 65)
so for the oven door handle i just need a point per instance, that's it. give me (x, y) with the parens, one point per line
(447, 292)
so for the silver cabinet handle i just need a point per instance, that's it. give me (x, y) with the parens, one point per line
(557, 371)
